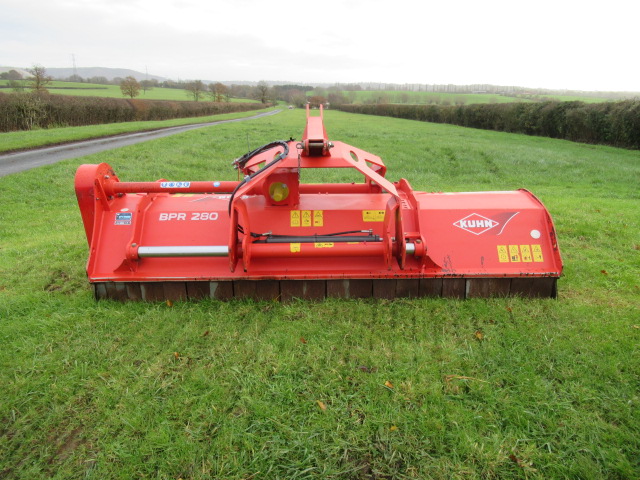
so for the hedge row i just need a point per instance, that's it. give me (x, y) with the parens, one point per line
(609, 123)
(25, 111)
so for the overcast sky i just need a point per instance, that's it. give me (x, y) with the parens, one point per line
(569, 44)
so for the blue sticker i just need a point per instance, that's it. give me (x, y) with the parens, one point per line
(123, 218)
(216, 184)
(175, 184)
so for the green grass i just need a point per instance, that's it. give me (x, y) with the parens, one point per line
(231, 390)
(11, 141)
(393, 96)
(113, 91)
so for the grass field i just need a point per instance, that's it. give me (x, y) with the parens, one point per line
(386, 96)
(342, 389)
(113, 91)
(392, 96)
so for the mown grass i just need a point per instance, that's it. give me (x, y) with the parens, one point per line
(371, 389)
(11, 141)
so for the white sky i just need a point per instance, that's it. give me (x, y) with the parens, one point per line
(582, 45)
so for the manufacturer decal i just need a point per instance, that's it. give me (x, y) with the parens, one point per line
(478, 224)
(175, 184)
(168, 216)
(123, 218)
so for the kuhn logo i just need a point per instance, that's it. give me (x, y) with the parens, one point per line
(476, 224)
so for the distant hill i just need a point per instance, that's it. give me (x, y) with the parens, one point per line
(109, 73)
(88, 72)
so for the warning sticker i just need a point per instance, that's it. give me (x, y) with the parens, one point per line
(373, 215)
(514, 253)
(323, 245)
(537, 253)
(520, 253)
(306, 218)
(295, 218)
(503, 254)
(123, 218)
(294, 247)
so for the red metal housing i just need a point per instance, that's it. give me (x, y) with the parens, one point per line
(270, 236)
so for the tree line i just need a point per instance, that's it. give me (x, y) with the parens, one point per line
(608, 123)
(196, 90)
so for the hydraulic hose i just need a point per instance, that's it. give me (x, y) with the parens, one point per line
(242, 161)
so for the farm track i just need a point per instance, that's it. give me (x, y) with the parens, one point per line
(25, 160)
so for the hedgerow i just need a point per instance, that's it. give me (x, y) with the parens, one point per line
(25, 111)
(608, 123)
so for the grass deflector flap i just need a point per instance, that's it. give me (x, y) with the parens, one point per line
(269, 236)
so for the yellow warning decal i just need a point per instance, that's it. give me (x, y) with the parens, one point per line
(306, 218)
(373, 215)
(295, 247)
(503, 254)
(530, 253)
(537, 253)
(514, 253)
(295, 218)
(318, 218)
(323, 245)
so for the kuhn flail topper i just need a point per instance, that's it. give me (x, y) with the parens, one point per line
(269, 236)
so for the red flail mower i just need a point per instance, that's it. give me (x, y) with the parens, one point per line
(268, 236)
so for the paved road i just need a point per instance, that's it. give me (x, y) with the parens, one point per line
(17, 162)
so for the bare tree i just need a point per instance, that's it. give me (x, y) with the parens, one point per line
(130, 87)
(196, 89)
(262, 91)
(146, 85)
(218, 91)
(39, 81)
